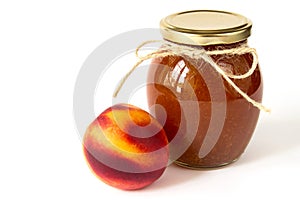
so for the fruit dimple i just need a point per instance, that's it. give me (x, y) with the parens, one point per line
(126, 128)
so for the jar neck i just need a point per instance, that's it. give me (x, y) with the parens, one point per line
(224, 46)
(216, 46)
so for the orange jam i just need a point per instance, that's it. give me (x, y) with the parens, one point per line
(225, 121)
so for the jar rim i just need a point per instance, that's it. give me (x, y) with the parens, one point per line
(205, 27)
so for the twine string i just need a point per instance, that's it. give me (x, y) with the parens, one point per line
(172, 49)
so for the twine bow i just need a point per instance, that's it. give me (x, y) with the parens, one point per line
(172, 49)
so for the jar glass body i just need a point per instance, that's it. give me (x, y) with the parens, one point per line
(225, 120)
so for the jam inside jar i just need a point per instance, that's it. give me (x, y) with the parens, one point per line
(223, 120)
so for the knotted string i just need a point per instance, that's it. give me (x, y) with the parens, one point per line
(172, 49)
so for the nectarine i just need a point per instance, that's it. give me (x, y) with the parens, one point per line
(126, 147)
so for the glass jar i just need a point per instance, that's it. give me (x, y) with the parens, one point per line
(225, 120)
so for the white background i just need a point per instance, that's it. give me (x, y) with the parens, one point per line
(42, 47)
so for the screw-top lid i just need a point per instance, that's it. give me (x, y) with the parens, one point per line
(205, 27)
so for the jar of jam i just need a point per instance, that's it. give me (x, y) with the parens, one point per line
(190, 92)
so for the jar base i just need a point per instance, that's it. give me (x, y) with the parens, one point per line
(203, 167)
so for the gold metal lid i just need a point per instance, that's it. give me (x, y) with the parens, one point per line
(205, 27)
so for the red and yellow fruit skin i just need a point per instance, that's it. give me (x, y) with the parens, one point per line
(126, 147)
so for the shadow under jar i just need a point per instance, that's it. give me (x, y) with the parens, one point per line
(224, 121)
